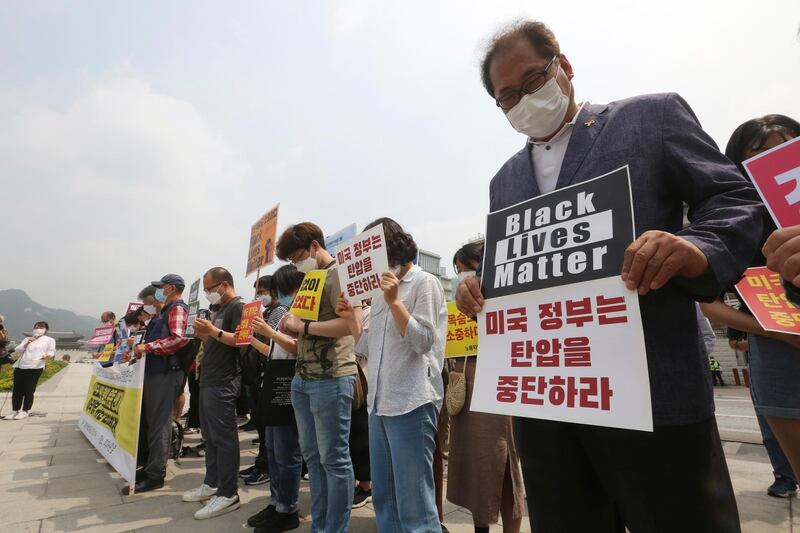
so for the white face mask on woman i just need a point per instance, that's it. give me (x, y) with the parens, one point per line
(464, 275)
(38, 332)
(541, 113)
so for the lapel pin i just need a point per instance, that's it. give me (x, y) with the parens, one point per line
(589, 123)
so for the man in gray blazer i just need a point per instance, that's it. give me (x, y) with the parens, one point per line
(587, 478)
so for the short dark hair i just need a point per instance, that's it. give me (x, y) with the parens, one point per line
(754, 133)
(264, 282)
(298, 237)
(471, 252)
(219, 275)
(147, 291)
(42, 323)
(400, 246)
(536, 33)
(286, 280)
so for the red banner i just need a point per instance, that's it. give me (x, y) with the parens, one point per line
(776, 175)
(245, 333)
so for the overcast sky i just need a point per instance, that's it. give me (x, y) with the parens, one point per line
(139, 138)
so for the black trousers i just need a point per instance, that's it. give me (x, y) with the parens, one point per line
(359, 444)
(193, 416)
(25, 380)
(673, 479)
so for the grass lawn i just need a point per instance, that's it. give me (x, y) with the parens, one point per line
(50, 369)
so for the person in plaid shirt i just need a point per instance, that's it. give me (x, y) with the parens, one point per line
(164, 377)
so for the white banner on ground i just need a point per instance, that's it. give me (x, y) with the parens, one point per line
(110, 416)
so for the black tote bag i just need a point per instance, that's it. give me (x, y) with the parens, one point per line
(275, 397)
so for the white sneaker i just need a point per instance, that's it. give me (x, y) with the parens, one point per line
(201, 493)
(218, 505)
(11, 415)
(21, 415)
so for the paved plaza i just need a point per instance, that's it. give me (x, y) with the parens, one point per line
(52, 480)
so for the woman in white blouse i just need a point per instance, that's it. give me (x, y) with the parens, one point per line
(33, 352)
(405, 345)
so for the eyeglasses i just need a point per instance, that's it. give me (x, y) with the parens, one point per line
(211, 288)
(533, 83)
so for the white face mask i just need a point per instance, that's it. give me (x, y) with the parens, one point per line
(541, 113)
(150, 309)
(306, 265)
(396, 270)
(266, 300)
(213, 297)
(464, 275)
(38, 332)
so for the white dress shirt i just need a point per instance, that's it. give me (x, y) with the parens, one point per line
(406, 371)
(548, 156)
(34, 350)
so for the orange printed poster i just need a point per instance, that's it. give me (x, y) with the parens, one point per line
(263, 235)
(245, 333)
(762, 291)
(462, 333)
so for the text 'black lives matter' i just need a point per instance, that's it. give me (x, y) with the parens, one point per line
(578, 233)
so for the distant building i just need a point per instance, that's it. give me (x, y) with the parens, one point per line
(65, 340)
(432, 263)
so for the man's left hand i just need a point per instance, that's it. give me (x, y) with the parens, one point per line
(782, 251)
(139, 349)
(203, 327)
(658, 256)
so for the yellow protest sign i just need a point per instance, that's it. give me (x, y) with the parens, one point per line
(308, 299)
(261, 251)
(106, 353)
(462, 333)
(116, 408)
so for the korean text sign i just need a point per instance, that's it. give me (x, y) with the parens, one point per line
(762, 291)
(776, 175)
(361, 261)
(462, 333)
(263, 234)
(194, 308)
(308, 299)
(245, 333)
(102, 335)
(560, 336)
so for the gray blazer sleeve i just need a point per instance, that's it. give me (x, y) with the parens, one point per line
(725, 212)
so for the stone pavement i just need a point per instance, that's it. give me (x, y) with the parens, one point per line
(52, 480)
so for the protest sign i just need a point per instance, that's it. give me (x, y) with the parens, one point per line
(110, 416)
(133, 306)
(776, 175)
(249, 312)
(332, 242)
(262, 241)
(194, 308)
(462, 333)
(361, 261)
(762, 291)
(308, 299)
(106, 352)
(101, 335)
(194, 291)
(560, 336)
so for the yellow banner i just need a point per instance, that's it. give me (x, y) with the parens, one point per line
(307, 302)
(462, 333)
(117, 409)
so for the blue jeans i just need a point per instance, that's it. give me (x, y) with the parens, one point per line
(401, 456)
(322, 409)
(285, 465)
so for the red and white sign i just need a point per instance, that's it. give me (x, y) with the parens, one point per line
(776, 175)
(133, 306)
(361, 261)
(762, 291)
(102, 335)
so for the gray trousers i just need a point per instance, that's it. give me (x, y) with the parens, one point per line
(158, 401)
(219, 425)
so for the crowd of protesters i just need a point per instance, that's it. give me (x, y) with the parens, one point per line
(368, 381)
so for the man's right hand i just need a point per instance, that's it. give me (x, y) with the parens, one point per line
(469, 298)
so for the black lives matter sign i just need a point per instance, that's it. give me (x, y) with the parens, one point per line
(578, 233)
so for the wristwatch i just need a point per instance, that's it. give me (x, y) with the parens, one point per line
(219, 335)
(305, 328)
